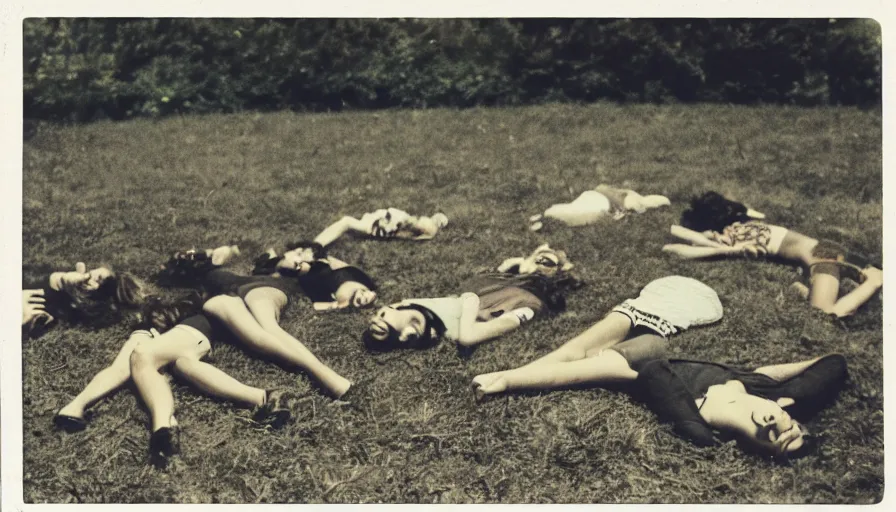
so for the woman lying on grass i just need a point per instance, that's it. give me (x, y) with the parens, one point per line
(250, 306)
(498, 303)
(601, 202)
(177, 337)
(329, 283)
(386, 223)
(664, 307)
(762, 408)
(718, 227)
(95, 297)
(542, 261)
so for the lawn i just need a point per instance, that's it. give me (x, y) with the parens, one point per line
(130, 193)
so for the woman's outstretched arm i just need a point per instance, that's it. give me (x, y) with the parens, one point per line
(693, 237)
(690, 252)
(340, 227)
(474, 332)
(787, 370)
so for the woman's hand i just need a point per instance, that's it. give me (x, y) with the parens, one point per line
(751, 249)
(222, 255)
(328, 306)
(33, 308)
(873, 275)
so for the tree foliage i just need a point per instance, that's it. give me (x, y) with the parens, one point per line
(83, 69)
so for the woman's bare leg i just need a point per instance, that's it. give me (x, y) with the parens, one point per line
(212, 381)
(107, 380)
(849, 303)
(256, 322)
(823, 289)
(609, 331)
(605, 367)
(149, 357)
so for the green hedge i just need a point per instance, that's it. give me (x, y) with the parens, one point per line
(83, 69)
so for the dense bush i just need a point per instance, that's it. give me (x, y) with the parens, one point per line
(82, 69)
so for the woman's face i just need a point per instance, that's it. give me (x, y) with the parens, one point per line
(409, 323)
(87, 280)
(545, 261)
(762, 423)
(298, 260)
(362, 298)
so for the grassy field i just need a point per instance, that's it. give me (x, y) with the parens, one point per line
(131, 193)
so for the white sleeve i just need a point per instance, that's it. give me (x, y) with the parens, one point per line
(388, 223)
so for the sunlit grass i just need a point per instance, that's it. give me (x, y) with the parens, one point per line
(130, 193)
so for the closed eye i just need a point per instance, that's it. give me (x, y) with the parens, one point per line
(547, 262)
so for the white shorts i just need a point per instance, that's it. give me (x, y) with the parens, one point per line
(673, 303)
(202, 344)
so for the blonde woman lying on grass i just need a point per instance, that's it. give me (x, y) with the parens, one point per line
(601, 202)
(718, 227)
(386, 223)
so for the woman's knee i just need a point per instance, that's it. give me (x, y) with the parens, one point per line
(142, 357)
(183, 365)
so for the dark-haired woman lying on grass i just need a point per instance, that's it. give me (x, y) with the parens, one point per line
(176, 336)
(95, 297)
(493, 305)
(718, 227)
(250, 306)
(703, 401)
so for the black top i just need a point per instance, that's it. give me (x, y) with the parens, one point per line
(223, 282)
(671, 387)
(202, 324)
(321, 281)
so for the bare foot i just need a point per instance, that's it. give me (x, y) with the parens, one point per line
(800, 289)
(488, 384)
(342, 388)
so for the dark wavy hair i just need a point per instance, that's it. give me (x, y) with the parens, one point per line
(433, 331)
(158, 314)
(185, 268)
(713, 212)
(551, 290)
(266, 264)
(105, 305)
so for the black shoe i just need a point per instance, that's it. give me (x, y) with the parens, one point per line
(277, 408)
(465, 351)
(162, 445)
(70, 424)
